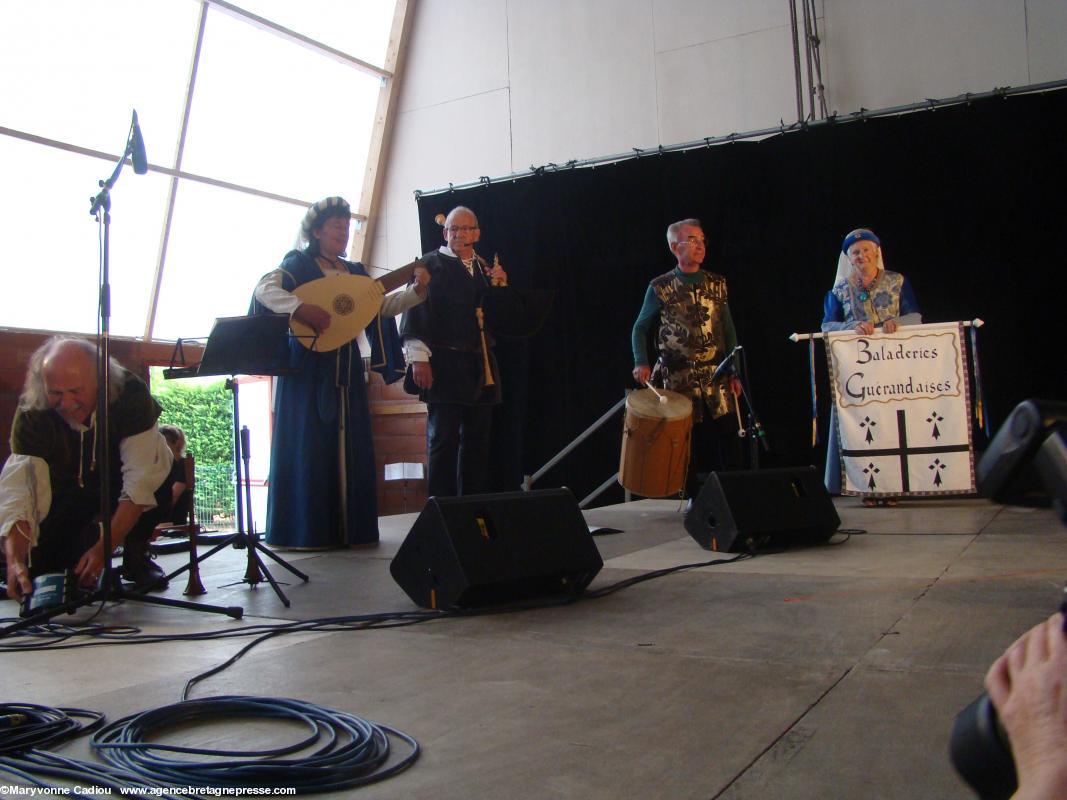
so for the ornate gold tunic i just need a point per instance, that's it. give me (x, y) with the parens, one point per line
(693, 339)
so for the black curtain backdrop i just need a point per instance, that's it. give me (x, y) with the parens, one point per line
(969, 202)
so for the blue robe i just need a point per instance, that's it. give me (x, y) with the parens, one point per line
(842, 309)
(312, 460)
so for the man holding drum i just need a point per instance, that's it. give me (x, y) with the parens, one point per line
(696, 332)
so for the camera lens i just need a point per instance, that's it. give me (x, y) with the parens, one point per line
(980, 752)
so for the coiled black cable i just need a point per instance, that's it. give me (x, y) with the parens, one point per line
(24, 726)
(29, 767)
(347, 751)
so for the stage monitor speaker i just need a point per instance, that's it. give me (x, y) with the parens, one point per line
(1006, 472)
(745, 511)
(1051, 463)
(491, 549)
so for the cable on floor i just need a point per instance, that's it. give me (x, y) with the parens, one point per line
(347, 751)
(103, 636)
(24, 726)
(604, 591)
(29, 767)
(351, 751)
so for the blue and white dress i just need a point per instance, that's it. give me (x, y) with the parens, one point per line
(888, 297)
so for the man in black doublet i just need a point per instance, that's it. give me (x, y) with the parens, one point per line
(450, 357)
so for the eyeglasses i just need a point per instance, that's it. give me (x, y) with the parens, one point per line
(692, 240)
(461, 228)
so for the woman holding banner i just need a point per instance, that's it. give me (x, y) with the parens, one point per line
(865, 297)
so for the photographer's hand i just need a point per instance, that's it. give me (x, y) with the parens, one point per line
(1028, 686)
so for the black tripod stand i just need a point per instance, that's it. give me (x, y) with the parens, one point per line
(753, 431)
(109, 587)
(255, 345)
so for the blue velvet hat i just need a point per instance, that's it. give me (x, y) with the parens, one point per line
(860, 234)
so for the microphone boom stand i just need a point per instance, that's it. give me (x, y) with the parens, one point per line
(753, 430)
(108, 588)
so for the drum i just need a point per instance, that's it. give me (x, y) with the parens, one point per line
(655, 443)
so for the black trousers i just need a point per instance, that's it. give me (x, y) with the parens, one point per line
(72, 527)
(457, 440)
(715, 446)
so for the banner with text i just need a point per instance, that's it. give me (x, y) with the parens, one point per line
(903, 410)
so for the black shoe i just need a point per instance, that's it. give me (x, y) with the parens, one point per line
(144, 574)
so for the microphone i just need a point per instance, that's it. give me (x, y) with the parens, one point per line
(140, 160)
(723, 364)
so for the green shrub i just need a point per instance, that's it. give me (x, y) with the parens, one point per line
(204, 411)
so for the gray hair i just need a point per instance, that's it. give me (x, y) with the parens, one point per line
(674, 227)
(173, 434)
(457, 210)
(34, 392)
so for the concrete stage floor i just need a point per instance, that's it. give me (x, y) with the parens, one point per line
(825, 672)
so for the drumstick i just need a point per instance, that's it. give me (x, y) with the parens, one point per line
(662, 397)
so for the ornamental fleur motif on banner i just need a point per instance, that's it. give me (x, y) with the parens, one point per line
(935, 418)
(869, 424)
(937, 466)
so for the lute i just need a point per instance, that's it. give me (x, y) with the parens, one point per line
(352, 301)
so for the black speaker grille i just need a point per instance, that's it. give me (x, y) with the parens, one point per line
(496, 548)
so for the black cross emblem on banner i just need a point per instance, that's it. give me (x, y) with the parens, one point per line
(903, 451)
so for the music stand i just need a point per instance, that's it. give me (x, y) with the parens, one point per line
(250, 345)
